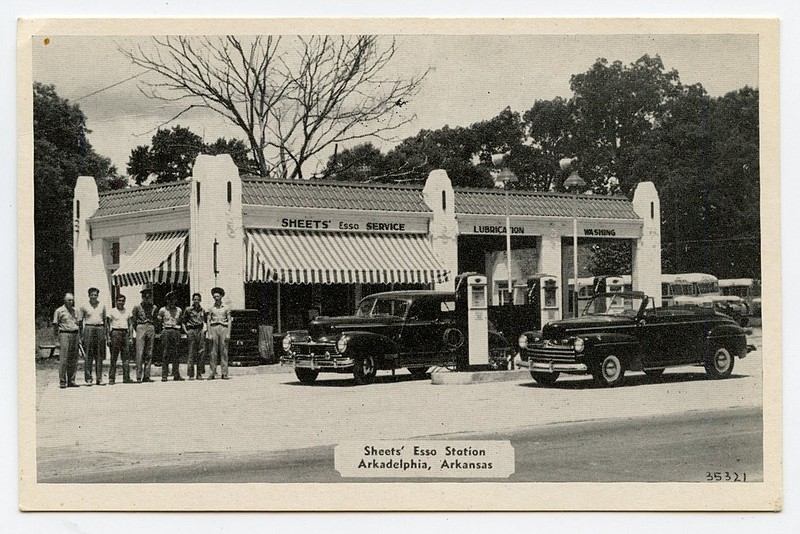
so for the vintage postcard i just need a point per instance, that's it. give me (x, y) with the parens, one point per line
(399, 264)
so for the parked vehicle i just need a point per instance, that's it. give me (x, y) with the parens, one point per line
(732, 306)
(746, 288)
(412, 329)
(687, 285)
(621, 332)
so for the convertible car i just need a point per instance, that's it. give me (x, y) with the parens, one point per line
(619, 332)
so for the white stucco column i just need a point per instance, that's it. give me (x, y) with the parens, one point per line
(89, 265)
(550, 263)
(216, 234)
(443, 230)
(646, 262)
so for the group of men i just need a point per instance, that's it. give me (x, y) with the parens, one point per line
(92, 328)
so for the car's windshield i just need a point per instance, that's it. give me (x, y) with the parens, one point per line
(614, 304)
(382, 307)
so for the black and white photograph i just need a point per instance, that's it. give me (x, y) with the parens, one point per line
(411, 264)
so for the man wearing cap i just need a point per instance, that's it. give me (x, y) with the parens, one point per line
(65, 327)
(92, 318)
(143, 320)
(193, 321)
(119, 327)
(219, 331)
(170, 318)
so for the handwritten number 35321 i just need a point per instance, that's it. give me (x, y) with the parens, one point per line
(725, 476)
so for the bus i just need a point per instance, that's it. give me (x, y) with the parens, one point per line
(686, 287)
(748, 289)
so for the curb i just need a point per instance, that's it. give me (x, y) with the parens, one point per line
(477, 377)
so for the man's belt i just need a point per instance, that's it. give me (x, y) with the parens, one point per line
(94, 325)
(193, 327)
(68, 331)
(172, 328)
(219, 324)
(119, 329)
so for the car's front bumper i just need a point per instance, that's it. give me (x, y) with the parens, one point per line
(557, 367)
(318, 363)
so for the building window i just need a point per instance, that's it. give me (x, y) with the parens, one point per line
(444, 200)
(230, 192)
(115, 253)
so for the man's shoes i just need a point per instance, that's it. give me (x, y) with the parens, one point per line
(226, 377)
(200, 377)
(89, 384)
(177, 379)
(212, 377)
(73, 385)
(147, 379)
(128, 381)
(111, 382)
(62, 386)
(191, 378)
(163, 378)
(99, 383)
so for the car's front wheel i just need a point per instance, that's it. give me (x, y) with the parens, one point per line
(306, 376)
(364, 369)
(545, 379)
(610, 372)
(719, 364)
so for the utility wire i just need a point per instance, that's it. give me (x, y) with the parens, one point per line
(109, 87)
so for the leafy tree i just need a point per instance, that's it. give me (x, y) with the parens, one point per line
(61, 153)
(169, 158)
(291, 97)
(239, 152)
(173, 152)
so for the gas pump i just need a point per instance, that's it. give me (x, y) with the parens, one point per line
(472, 319)
(477, 321)
(543, 298)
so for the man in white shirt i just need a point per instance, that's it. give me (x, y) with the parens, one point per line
(92, 318)
(119, 328)
(170, 318)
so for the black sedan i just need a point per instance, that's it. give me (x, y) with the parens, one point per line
(619, 332)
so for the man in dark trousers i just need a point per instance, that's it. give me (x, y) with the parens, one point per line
(92, 318)
(119, 327)
(65, 327)
(219, 331)
(170, 318)
(143, 320)
(194, 319)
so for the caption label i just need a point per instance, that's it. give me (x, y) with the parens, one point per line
(425, 459)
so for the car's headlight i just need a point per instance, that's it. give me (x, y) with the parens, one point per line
(287, 342)
(578, 344)
(341, 345)
(523, 341)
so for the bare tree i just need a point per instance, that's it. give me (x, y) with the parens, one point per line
(292, 97)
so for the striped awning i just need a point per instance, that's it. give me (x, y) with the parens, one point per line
(161, 258)
(292, 257)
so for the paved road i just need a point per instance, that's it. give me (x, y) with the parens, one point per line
(261, 414)
(670, 448)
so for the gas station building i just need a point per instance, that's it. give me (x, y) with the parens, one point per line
(300, 248)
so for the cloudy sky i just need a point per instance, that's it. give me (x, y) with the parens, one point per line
(472, 78)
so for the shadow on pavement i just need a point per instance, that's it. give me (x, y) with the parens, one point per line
(349, 382)
(630, 381)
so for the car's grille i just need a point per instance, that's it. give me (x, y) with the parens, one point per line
(304, 349)
(547, 353)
